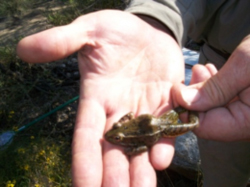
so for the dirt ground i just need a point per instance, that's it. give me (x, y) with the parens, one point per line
(33, 21)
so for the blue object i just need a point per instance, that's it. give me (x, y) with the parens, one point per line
(191, 58)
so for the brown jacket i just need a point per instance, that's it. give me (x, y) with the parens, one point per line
(221, 24)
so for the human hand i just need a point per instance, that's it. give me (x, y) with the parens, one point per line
(126, 65)
(225, 96)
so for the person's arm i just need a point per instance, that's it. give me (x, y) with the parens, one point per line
(126, 65)
(156, 24)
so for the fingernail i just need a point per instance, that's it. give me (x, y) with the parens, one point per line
(190, 95)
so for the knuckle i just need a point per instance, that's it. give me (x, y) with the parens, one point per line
(215, 92)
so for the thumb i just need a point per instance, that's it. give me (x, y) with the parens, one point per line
(223, 86)
(56, 43)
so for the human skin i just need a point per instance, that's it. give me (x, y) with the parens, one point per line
(126, 65)
(225, 97)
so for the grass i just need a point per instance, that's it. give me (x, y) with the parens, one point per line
(41, 156)
(38, 161)
(76, 8)
(14, 8)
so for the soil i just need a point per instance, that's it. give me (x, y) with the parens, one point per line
(12, 29)
(32, 21)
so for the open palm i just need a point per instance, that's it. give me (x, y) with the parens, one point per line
(126, 65)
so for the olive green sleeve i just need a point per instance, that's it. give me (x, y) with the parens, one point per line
(165, 12)
(221, 24)
(182, 17)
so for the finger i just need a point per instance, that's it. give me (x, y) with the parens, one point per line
(199, 73)
(162, 153)
(141, 171)
(115, 162)
(212, 69)
(87, 146)
(55, 43)
(223, 86)
(225, 124)
(116, 166)
(244, 96)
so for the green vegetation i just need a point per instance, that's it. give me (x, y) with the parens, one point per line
(41, 156)
(76, 8)
(36, 161)
(14, 8)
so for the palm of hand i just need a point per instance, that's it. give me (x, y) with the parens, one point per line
(124, 69)
(133, 64)
(125, 65)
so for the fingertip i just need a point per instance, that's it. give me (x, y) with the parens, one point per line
(38, 48)
(162, 153)
(185, 95)
(53, 44)
(24, 48)
(193, 96)
(189, 96)
(176, 94)
(200, 73)
(211, 68)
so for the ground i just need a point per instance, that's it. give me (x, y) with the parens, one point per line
(36, 156)
(32, 21)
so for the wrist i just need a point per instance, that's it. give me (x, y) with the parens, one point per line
(156, 24)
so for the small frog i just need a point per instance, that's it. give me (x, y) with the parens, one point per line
(137, 134)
